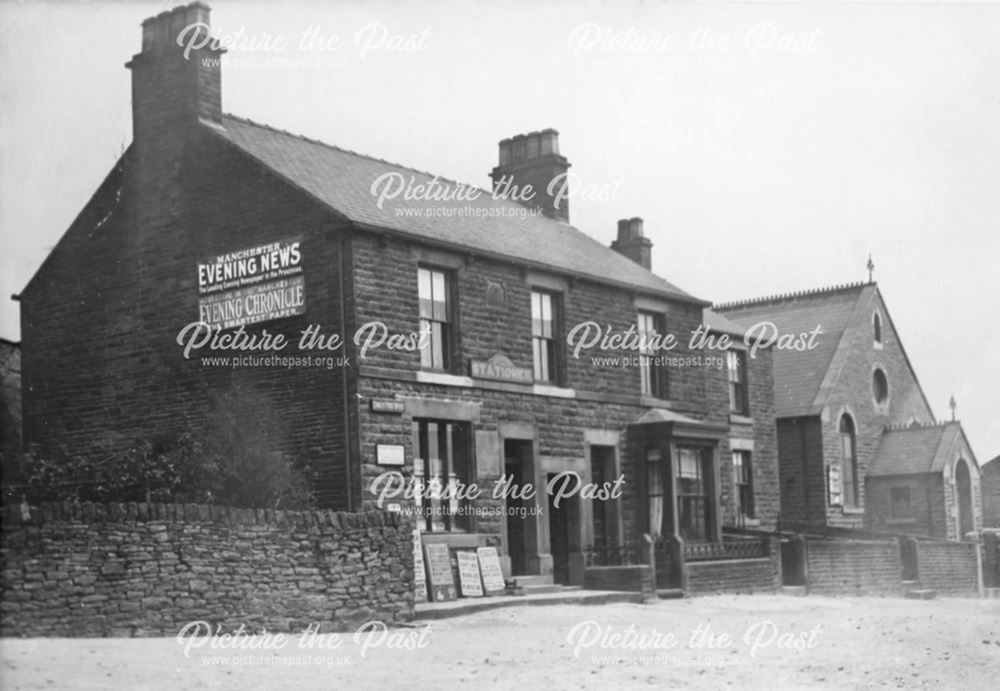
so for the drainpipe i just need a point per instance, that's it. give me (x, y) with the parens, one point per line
(805, 474)
(345, 397)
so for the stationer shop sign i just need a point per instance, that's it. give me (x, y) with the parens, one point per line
(252, 285)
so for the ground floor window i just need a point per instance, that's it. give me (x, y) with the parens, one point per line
(743, 471)
(441, 470)
(694, 509)
(655, 492)
(602, 460)
(899, 503)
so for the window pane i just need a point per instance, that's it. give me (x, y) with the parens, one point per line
(437, 345)
(425, 293)
(655, 493)
(439, 296)
(427, 351)
(536, 314)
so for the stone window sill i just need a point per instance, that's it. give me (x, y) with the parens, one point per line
(443, 378)
(654, 402)
(900, 521)
(740, 419)
(554, 391)
(453, 540)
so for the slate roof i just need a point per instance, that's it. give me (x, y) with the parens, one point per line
(799, 375)
(916, 449)
(722, 324)
(342, 180)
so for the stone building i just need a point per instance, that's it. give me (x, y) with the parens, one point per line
(991, 493)
(438, 335)
(858, 445)
(10, 412)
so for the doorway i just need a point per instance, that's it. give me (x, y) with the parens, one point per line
(562, 520)
(963, 487)
(518, 469)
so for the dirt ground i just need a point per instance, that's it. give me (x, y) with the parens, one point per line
(748, 642)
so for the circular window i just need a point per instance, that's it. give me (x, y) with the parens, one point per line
(880, 386)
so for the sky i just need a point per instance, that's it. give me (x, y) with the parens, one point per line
(769, 147)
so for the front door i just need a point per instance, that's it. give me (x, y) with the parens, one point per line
(561, 519)
(517, 456)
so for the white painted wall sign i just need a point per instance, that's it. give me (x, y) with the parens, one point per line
(390, 454)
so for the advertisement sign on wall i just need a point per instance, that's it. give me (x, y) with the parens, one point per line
(252, 285)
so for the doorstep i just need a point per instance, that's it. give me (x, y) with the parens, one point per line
(566, 596)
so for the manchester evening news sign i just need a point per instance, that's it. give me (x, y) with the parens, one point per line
(252, 285)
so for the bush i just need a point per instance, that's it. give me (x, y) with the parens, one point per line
(234, 459)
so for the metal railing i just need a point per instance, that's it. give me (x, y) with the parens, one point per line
(612, 555)
(748, 548)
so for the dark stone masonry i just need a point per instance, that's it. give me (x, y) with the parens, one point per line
(94, 570)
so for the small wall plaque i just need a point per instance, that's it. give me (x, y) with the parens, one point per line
(386, 405)
(389, 454)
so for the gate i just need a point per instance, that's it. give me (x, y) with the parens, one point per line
(908, 557)
(793, 561)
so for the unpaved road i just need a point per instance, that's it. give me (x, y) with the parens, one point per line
(748, 642)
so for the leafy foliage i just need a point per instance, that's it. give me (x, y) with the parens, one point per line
(234, 458)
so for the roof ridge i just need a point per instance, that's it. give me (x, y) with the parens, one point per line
(781, 297)
(903, 426)
(248, 121)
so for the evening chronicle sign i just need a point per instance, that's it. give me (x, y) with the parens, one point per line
(252, 285)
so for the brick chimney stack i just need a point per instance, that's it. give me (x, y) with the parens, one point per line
(534, 159)
(176, 79)
(632, 243)
(176, 88)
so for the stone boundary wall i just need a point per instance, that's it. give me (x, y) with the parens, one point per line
(82, 569)
(850, 567)
(950, 568)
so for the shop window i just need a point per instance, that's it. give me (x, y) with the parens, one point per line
(442, 469)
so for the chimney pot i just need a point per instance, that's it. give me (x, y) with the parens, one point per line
(549, 142)
(533, 146)
(504, 152)
(198, 13)
(635, 228)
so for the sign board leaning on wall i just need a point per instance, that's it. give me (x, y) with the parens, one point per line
(442, 582)
(468, 574)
